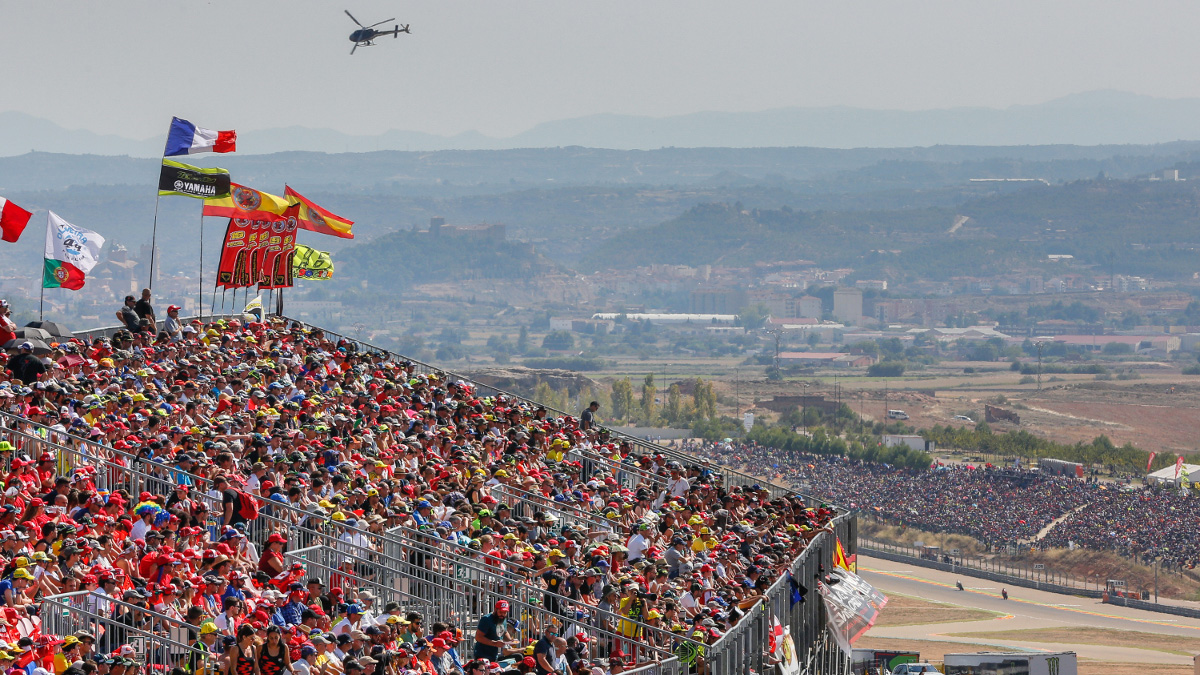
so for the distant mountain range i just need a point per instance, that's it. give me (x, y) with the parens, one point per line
(1091, 118)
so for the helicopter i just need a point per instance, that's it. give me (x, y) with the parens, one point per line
(365, 34)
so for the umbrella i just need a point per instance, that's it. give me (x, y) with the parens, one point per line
(52, 327)
(32, 334)
(39, 346)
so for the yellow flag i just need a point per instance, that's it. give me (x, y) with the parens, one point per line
(839, 556)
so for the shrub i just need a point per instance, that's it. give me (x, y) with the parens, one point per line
(886, 369)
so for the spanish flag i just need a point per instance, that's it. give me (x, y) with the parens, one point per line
(244, 202)
(316, 219)
(839, 556)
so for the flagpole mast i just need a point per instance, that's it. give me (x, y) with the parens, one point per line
(200, 299)
(153, 240)
(42, 295)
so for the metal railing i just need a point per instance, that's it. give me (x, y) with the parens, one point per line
(526, 504)
(162, 641)
(743, 647)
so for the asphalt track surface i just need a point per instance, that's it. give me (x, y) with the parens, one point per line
(1026, 608)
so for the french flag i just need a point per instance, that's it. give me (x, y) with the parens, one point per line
(186, 138)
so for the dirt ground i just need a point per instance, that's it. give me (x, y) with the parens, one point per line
(936, 651)
(1093, 636)
(1158, 411)
(903, 610)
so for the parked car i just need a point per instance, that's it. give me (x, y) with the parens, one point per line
(915, 668)
(964, 418)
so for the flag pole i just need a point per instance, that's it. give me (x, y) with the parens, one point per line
(200, 299)
(42, 295)
(153, 240)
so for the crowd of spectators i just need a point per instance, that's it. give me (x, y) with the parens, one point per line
(241, 420)
(999, 506)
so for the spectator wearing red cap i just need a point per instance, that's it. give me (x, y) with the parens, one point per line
(443, 663)
(173, 327)
(491, 635)
(271, 561)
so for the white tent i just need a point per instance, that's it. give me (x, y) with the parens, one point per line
(1166, 475)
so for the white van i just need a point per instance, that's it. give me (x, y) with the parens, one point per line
(897, 415)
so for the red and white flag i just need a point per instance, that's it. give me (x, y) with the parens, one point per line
(1150, 461)
(1178, 466)
(13, 220)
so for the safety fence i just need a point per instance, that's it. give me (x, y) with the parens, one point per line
(1028, 574)
(162, 642)
(794, 602)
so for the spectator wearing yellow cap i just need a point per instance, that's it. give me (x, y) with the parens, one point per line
(13, 590)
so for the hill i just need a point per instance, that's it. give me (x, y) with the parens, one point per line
(1088, 118)
(1138, 227)
(403, 259)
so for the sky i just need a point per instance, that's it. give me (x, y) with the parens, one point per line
(125, 67)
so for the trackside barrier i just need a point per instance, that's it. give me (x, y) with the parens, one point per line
(161, 641)
(1126, 601)
(876, 550)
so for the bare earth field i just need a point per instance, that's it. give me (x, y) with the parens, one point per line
(1159, 411)
(905, 610)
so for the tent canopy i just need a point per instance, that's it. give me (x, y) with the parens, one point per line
(1167, 474)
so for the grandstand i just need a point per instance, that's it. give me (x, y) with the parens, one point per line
(340, 492)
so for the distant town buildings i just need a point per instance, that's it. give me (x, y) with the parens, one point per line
(848, 305)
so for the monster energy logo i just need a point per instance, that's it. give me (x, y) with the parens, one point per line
(1052, 665)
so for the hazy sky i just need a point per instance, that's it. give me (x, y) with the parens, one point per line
(500, 67)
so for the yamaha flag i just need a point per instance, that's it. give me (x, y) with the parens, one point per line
(186, 180)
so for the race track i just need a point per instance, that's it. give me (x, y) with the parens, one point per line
(1025, 609)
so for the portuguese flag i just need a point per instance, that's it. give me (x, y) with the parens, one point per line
(59, 274)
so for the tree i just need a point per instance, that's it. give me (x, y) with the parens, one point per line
(886, 369)
(704, 398)
(622, 399)
(754, 316)
(523, 341)
(1114, 348)
(674, 409)
(648, 393)
(559, 340)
